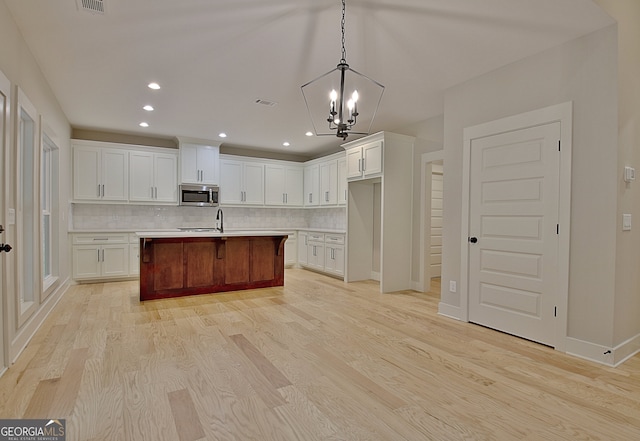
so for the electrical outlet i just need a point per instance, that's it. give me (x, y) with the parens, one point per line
(452, 286)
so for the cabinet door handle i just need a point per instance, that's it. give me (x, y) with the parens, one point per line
(98, 255)
(103, 254)
(98, 190)
(102, 190)
(363, 165)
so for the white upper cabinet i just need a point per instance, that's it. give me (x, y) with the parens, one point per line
(342, 181)
(329, 183)
(241, 182)
(312, 185)
(153, 177)
(364, 161)
(199, 164)
(100, 174)
(283, 185)
(108, 172)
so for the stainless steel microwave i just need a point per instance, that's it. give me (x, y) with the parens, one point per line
(199, 195)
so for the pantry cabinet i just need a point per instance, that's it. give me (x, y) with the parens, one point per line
(380, 209)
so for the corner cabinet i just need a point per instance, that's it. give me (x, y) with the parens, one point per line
(325, 181)
(322, 252)
(199, 163)
(380, 209)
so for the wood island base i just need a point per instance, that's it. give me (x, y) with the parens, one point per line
(182, 266)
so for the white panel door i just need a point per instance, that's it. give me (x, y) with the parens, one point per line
(513, 221)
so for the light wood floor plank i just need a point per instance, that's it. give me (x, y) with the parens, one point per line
(316, 359)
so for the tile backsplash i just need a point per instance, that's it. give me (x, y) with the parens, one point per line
(143, 217)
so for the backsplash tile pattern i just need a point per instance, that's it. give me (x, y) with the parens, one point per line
(143, 217)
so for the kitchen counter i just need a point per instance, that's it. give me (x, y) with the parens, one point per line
(208, 232)
(178, 263)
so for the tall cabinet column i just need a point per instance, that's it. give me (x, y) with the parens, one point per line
(379, 210)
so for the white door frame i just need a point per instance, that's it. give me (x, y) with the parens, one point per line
(557, 113)
(424, 284)
(5, 89)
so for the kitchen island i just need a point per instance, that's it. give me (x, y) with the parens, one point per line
(202, 261)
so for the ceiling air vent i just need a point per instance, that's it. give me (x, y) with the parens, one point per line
(266, 102)
(93, 6)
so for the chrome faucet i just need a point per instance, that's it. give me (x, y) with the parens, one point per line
(220, 217)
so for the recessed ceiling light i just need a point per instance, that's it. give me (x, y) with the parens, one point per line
(222, 135)
(309, 133)
(144, 124)
(148, 108)
(154, 86)
(286, 144)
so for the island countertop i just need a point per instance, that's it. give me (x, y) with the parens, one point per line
(206, 232)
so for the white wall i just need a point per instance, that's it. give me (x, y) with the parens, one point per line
(19, 65)
(429, 136)
(627, 289)
(583, 71)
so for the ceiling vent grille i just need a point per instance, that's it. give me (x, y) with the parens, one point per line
(266, 102)
(93, 6)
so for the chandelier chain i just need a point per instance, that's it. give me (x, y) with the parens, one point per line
(344, 51)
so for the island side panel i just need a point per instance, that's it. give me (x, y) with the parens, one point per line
(203, 268)
(263, 259)
(237, 261)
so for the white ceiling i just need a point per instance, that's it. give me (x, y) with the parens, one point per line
(215, 58)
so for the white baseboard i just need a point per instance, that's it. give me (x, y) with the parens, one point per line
(450, 311)
(602, 354)
(24, 335)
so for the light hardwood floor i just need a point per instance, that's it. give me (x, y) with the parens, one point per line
(314, 360)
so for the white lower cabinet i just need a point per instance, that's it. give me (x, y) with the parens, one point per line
(134, 255)
(334, 254)
(315, 251)
(290, 250)
(100, 256)
(303, 248)
(322, 252)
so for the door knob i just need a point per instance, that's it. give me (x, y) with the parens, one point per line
(473, 239)
(5, 247)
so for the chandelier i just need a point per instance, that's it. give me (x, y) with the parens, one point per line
(344, 98)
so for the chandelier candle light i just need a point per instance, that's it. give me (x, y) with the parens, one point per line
(342, 116)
